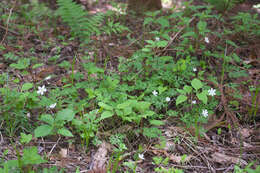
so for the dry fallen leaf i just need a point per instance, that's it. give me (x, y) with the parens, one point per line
(222, 158)
(180, 159)
(245, 133)
(63, 153)
(99, 160)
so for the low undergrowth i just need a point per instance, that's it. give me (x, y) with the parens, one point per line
(188, 69)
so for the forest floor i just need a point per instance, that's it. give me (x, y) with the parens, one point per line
(231, 136)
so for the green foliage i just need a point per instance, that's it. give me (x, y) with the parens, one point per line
(81, 24)
(25, 163)
(22, 63)
(55, 124)
(223, 5)
(87, 126)
(247, 169)
(145, 90)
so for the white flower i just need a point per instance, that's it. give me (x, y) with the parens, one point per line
(212, 92)
(41, 90)
(48, 78)
(157, 38)
(194, 102)
(168, 99)
(205, 113)
(141, 156)
(155, 93)
(28, 115)
(194, 69)
(206, 39)
(52, 105)
(111, 44)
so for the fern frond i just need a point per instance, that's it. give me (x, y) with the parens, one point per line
(81, 23)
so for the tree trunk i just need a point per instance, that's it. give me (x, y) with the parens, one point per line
(140, 6)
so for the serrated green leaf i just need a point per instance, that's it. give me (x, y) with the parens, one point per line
(156, 122)
(65, 115)
(196, 84)
(146, 50)
(47, 118)
(105, 106)
(142, 106)
(202, 26)
(27, 86)
(162, 43)
(65, 132)
(180, 99)
(25, 139)
(42, 131)
(187, 88)
(147, 20)
(164, 22)
(203, 97)
(106, 114)
(181, 91)
(37, 65)
(31, 156)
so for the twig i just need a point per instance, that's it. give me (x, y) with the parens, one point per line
(53, 147)
(7, 22)
(175, 36)
(8, 30)
(2, 139)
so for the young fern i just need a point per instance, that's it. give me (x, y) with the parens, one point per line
(82, 25)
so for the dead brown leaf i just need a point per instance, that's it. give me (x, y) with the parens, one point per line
(180, 159)
(222, 158)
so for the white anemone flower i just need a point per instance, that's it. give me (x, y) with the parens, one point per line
(194, 102)
(48, 78)
(155, 93)
(205, 113)
(194, 69)
(212, 92)
(206, 39)
(52, 105)
(167, 99)
(41, 90)
(141, 156)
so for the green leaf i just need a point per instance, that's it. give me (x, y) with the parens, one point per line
(181, 91)
(65, 132)
(196, 84)
(147, 20)
(152, 132)
(164, 22)
(161, 89)
(203, 96)
(27, 86)
(105, 106)
(142, 106)
(156, 122)
(124, 105)
(47, 118)
(162, 43)
(106, 114)
(187, 88)
(180, 99)
(146, 50)
(42, 131)
(202, 26)
(65, 114)
(25, 139)
(31, 156)
(37, 65)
